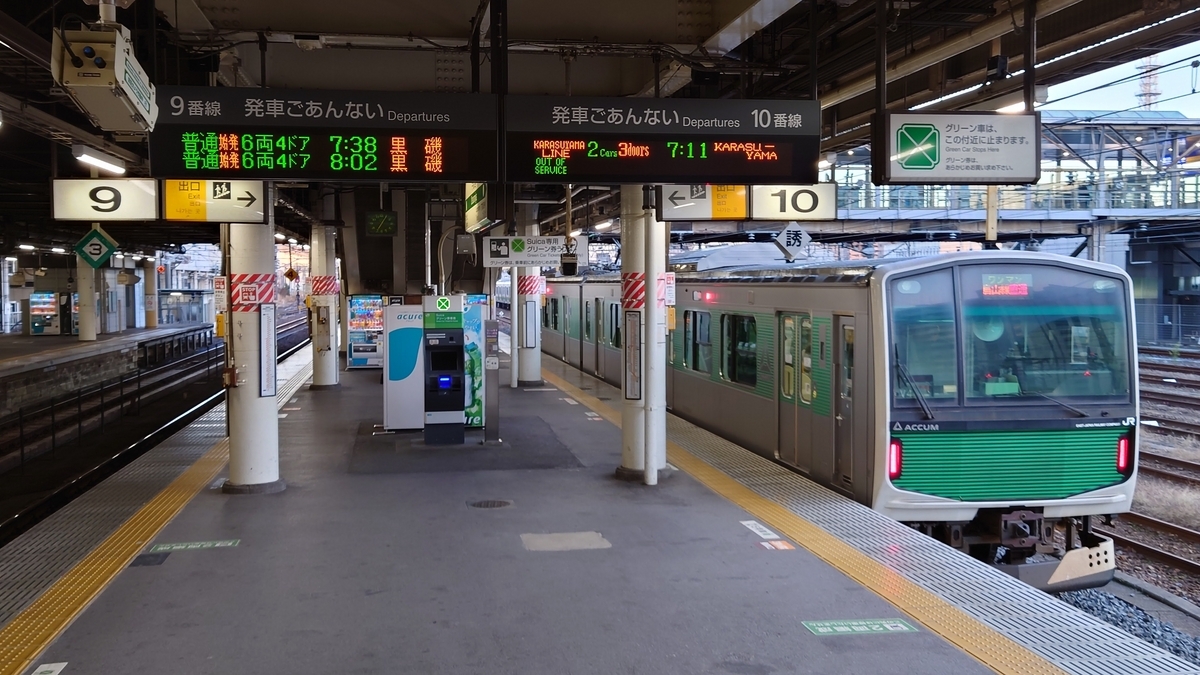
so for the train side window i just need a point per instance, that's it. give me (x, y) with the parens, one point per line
(587, 321)
(614, 323)
(787, 383)
(698, 341)
(806, 349)
(739, 342)
(546, 315)
(554, 314)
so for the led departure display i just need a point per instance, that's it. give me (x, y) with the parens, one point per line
(324, 153)
(635, 159)
(580, 139)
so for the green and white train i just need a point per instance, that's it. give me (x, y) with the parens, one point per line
(987, 398)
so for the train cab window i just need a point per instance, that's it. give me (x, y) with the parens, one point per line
(1034, 331)
(697, 341)
(739, 342)
(923, 338)
(806, 343)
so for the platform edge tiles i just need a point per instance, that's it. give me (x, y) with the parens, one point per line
(47, 616)
(1007, 625)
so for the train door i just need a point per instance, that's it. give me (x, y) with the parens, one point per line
(843, 433)
(597, 340)
(789, 356)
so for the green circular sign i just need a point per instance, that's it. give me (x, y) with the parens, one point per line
(443, 304)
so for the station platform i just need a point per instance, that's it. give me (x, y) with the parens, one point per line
(22, 352)
(527, 557)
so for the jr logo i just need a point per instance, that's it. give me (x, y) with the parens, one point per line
(403, 345)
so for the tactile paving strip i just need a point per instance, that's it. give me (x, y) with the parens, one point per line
(1016, 614)
(52, 567)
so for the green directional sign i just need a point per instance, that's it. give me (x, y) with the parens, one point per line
(918, 146)
(859, 627)
(518, 245)
(96, 248)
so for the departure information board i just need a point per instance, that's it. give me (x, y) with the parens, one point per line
(323, 153)
(323, 135)
(628, 140)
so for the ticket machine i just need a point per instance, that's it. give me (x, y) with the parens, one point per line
(445, 376)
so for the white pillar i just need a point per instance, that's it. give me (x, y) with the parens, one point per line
(324, 311)
(253, 420)
(514, 325)
(633, 262)
(150, 278)
(85, 278)
(529, 366)
(655, 348)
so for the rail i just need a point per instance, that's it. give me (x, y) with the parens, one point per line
(45, 427)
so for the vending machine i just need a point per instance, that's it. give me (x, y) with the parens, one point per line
(43, 313)
(365, 331)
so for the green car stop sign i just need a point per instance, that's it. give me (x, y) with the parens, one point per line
(918, 146)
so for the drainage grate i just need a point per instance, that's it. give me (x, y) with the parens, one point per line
(491, 504)
(604, 398)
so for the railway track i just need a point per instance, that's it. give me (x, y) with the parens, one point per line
(1149, 550)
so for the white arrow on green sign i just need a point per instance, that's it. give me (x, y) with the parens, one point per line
(96, 248)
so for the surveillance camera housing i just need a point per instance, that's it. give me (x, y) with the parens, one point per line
(111, 86)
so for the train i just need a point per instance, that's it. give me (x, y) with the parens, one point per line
(987, 398)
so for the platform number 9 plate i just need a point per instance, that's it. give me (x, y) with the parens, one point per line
(97, 199)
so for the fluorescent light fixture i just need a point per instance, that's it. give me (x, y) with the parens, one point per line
(1013, 108)
(1, 112)
(1137, 139)
(823, 164)
(849, 152)
(11, 258)
(176, 293)
(279, 236)
(57, 249)
(26, 247)
(98, 159)
(118, 254)
(137, 257)
(576, 233)
(604, 225)
(306, 247)
(292, 240)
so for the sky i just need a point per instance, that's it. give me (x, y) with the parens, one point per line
(1181, 80)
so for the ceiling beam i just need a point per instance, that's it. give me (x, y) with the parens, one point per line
(23, 41)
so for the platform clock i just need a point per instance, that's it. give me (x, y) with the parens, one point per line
(382, 223)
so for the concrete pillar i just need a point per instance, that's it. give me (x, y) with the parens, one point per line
(529, 365)
(253, 418)
(150, 279)
(324, 346)
(633, 268)
(85, 278)
(1097, 242)
(655, 346)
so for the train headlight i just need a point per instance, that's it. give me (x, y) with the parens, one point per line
(895, 459)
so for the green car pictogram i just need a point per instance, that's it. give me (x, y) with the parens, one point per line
(518, 245)
(918, 146)
(443, 304)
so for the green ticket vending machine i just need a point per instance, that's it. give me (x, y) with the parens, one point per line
(475, 312)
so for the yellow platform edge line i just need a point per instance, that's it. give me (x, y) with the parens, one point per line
(39, 624)
(989, 647)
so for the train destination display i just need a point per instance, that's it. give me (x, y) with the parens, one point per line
(294, 134)
(576, 139)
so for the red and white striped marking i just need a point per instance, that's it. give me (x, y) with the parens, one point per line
(633, 290)
(251, 290)
(532, 285)
(325, 285)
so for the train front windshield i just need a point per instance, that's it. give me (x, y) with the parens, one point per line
(1020, 332)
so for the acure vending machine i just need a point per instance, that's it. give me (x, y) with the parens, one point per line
(365, 329)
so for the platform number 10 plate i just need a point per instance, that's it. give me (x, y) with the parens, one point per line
(794, 202)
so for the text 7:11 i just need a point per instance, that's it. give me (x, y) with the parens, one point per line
(688, 150)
